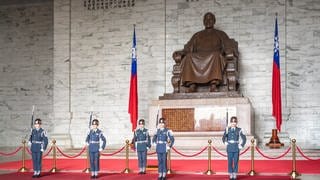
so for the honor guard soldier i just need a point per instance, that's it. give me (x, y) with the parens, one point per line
(39, 142)
(95, 147)
(161, 139)
(142, 144)
(235, 140)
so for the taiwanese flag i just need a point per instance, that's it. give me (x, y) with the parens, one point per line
(133, 96)
(276, 82)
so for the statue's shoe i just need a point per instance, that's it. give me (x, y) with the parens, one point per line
(213, 88)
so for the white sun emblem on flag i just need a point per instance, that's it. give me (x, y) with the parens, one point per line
(276, 44)
(134, 53)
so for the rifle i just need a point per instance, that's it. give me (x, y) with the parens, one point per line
(227, 121)
(157, 120)
(90, 119)
(31, 124)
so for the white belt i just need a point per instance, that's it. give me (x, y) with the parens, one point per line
(37, 142)
(141, 141)
(233, 141)
(161, 142)
(94, 142)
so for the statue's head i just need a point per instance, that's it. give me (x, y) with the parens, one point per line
(209, 20)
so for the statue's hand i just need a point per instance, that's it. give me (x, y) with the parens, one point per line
(177, 56)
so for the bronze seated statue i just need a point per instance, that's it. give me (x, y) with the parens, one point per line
(208, 62)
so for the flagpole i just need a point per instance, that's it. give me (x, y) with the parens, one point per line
(133, 93)
(165, 45)
(275, 122)
(276, 90)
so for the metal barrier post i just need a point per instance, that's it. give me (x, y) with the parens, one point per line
(54, 156)
(294, 174)
(252, 172)
(23, 168)
(209, 171)
(127, 170)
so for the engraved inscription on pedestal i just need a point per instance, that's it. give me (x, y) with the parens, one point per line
(179, 119)
(199, 118)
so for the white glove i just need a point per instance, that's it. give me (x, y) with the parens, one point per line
(100, 149)
(29, 143)
(87, 144)
(154, 144)
(168, 148)
(226, 143)
(239, 146)
(148, 148)
(41, 150)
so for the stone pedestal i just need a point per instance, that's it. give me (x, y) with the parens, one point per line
(274, 140)
(283, 138)
(214, 110)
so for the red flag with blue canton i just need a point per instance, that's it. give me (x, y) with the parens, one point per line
(133, 96)
(276, 81)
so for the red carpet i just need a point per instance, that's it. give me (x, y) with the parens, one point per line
(114, 176)
(190, 166)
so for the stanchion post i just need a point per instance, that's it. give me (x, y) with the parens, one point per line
(252, 172)
(209, 171)
(127, 170)
(294, 174)
(23, 168)
(169, 170)
(54, 156)
(87, 169)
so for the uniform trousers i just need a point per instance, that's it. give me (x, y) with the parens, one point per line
(142, 159)
(37, 160)
(233, 158)
(162, 162)
(94, 161)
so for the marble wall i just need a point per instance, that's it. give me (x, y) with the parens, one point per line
(26, 68)
(89, 65)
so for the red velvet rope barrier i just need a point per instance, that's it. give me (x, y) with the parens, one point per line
(28, 151)
(11, 153)
(216, 150)
(278, 157)
(192, 155)
(244, 151)
(48, 152)
(151, 153)
(224, 155)
(303, 155)
(114, 153)
(77, 155)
